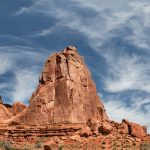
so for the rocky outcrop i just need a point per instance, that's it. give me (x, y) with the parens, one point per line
(66, 93)
(14, 109)
(17, 108)
(4, 113)
(135, 129)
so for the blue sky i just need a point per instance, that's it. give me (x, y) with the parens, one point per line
(111, 35)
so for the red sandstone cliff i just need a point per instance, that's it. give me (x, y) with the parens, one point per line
(65, 94)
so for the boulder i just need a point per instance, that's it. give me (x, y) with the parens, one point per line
(92, 124)
(135, 129)
(50, 145)
(85, 132)
(105, 128)
(76, 138)
(123, 128)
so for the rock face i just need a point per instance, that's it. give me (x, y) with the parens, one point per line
(17, 108)
(4, 113)
(65, 94)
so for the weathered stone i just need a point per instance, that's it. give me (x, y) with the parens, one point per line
(18, 107)
(105, 128)
(76, 138)
(145, 129)
(65, 94)
(93, 125)
(85, 132)
(50, 146)
(123, 128)
(4, 113)
(135, 129)
(137, 139)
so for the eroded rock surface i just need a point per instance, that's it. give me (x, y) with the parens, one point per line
(17, 108)
(135, 129)
(66, 93)
(4, 113)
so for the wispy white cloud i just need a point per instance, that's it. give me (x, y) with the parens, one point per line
(3, 85)
(22, 10)
(25, 64)
(108, 16)
(5, 63)
(126, 72)
(26, 81)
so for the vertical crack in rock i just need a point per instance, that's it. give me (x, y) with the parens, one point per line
(67, 62)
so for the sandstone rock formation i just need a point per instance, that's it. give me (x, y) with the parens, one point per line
(135, 129)
(18, 107)
(65, 94)
(4, 113)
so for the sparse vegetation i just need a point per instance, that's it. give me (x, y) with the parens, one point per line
(38, 145)
(145, 146)
(115, 148)
(60, 148)
(6, 145)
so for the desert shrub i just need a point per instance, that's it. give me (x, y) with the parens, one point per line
(60, 148)
(145, 146)
(26, 147)
(6, 145)
(38, 145)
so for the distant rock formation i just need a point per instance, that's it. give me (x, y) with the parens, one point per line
(7, 111)
(66, 93)
(4, 112)
(17, 108)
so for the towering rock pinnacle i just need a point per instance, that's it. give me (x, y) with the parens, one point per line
(65, 94)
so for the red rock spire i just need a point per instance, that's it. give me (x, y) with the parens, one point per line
(66, 93)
